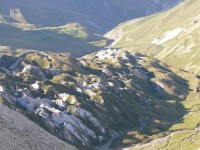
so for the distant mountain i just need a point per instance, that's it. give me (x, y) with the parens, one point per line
(171, 36)
(98, 15)
(66, 26)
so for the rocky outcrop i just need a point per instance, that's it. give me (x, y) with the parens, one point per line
(89, 100)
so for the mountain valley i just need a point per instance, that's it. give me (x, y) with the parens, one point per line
(65, 85)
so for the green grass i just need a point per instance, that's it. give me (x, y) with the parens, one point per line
(181, 51)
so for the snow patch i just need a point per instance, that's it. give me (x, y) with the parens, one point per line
(1, 88)
(36, 85)
(168, 36)
(79, 90)
(108, 54)
(64, 96)
(60, 103)
(27, 68)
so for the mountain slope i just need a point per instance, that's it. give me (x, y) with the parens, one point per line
(19, 133)
(89, 100)
(171, 36)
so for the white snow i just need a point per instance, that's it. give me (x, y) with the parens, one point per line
(67, 97)
(79, 90)
(64, 96)
(36, 85)
(110, 84)
(60, 102)
(112, 54)
(168, 36)
(1, 88)
(26, 68)
(108, 54)
(44, 54)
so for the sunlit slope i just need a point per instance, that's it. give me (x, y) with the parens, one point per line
(172, 36)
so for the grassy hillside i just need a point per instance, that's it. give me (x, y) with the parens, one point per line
(171, 36)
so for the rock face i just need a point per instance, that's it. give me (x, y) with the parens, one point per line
(19, 133)
(89, 100)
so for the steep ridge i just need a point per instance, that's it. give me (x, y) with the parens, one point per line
(89, 100)
(171, 36)
(19, 133)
